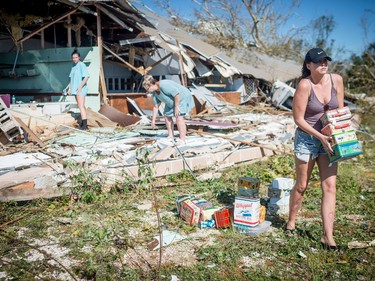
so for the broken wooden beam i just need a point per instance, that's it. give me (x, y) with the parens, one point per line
(241, 141)
(31, 134)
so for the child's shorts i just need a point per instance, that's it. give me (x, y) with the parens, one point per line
(306, 145)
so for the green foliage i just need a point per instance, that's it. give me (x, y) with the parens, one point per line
(84, 184)
(360, 77)
(323, 27)
(127, 184)
(145, 172)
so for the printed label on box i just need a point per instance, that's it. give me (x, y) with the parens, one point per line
(335, 115)
(248, 182)
(246, 211)
(339, 127)
(345, 150)
(344, 137)
(190, 212)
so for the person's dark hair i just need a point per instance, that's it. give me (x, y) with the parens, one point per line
(75, 52)
(305, 71)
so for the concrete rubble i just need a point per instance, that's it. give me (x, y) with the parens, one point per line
(215, 142)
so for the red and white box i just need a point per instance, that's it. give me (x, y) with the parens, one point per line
(246, 211)
(338, 127)
(336, 115)
(190, 212)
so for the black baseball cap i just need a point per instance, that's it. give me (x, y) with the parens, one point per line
(315, 55)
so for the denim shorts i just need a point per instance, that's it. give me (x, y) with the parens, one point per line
(306, 145)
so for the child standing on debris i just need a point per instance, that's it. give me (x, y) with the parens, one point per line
(78, 86)
(178, 102)
(317, 92)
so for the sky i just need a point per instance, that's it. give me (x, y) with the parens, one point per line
(348, 33)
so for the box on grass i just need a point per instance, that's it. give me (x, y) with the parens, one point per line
(283, 183)
(222, 218)
(246, 211)
(248, 182)
(254, 231)
(279, 193)
(246, 192)
(181, 199)
(190, 212)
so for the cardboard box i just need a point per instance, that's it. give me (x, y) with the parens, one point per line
(181, 199)
(338, 127)
(345, 150)
(246, 211)
(336, 115)
(246, 192)
(344, 137)
(208, 213)
(202, 203)
(248, 182)
(283, 183)
(222, 218)
(279, 193)
(189, 212)
(254, 231)
(262, 214)
(275, 209)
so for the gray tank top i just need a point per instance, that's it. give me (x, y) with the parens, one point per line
(315, 108)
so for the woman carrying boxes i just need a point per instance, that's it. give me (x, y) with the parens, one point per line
(318, 91)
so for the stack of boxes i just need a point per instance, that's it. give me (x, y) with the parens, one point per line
(279, 194)
(198, 211)
(337, 124)
(249, 215)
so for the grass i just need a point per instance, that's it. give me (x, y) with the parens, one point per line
(97, 234)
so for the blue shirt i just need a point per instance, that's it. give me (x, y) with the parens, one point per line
(77, 74)
(168, 90)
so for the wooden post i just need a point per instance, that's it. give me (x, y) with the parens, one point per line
(42, 42)
(100, 46)
(131, 55)
(23, 39)
(181, 63)
(69, 32)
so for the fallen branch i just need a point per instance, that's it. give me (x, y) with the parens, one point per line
(16, 219)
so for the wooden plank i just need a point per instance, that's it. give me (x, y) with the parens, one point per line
(100, 46)
(122, 60)
(113, 17)
(31, 134)
(23, 186)
(181, 63)
(10, 194)
(131, 55)
(43, 27)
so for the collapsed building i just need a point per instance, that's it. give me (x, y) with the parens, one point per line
(120, 43)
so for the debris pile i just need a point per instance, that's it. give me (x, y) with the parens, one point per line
(40, 164)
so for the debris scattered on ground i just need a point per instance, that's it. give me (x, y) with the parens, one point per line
(361, 244)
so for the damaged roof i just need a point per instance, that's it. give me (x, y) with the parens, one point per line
(259, 65)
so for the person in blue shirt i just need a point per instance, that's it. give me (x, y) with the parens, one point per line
(78, 86)
(178, 102)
